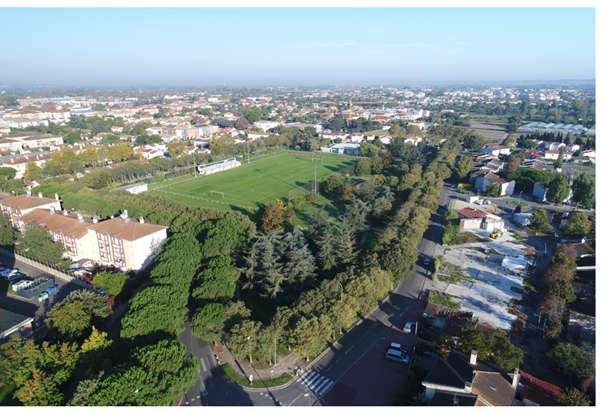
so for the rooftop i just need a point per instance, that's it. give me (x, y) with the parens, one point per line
(26, 202)
(57, 223)
(126, 228)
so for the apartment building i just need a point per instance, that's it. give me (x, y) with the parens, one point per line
(122, 242)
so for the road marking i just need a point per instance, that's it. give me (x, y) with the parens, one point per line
(203, 365)
(300, 395)
(326, 388)
(349, 350)
(317, 382)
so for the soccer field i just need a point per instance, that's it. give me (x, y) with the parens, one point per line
(278, 176)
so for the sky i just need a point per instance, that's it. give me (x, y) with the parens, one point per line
(295, 47)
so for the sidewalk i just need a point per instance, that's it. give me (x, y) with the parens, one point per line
(286, 364)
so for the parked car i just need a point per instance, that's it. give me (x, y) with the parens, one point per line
(408, 327)
(11, 273)
(397, 353)
(21, 284)
(52, 290)
(43, 296)
(16, 279)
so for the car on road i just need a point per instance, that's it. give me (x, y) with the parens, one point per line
(397, 353)
(409, 327)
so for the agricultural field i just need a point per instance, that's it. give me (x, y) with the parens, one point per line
(283, 176)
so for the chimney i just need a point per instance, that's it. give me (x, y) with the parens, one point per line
(473, 358)
(124, 215)
(141, 219)
(40, 195)
(56, 196)
(515, 378)
(94, 219)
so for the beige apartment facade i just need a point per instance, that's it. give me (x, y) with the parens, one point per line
(122, 242)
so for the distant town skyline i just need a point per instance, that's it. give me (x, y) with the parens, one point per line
(314, 47)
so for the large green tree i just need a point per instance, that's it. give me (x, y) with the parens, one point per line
(584, 190)
(558, 189)
(572, 361)
(492, 346)
(36, 242)
(463, 166)
(73, 318)
(578, 224)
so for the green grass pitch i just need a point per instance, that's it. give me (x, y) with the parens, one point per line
(253, 184)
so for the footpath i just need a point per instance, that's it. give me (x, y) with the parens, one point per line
(286, 364)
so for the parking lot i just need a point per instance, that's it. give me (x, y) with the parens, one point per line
(33, 307)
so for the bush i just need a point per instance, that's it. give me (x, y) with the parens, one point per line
(257, 383)
(111, 282)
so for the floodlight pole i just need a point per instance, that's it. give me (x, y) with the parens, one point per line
(314, 161)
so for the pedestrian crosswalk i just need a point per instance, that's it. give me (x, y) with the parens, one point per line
(316, 382)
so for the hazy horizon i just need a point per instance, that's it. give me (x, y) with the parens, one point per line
(177, 48)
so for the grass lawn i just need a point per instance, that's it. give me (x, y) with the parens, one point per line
(281, 176)
(443, 299)
(467, 237)
(242, 381)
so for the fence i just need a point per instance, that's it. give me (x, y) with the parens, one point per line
(43, 267)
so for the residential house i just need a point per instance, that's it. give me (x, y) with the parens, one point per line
(462, 379)
(495, 149)
(553, 145)
(472, 218)
(522, 219)
(554, 154)
(265, 125)
(483, 182)
(537, 392)
(590, 154)
(540, 192)
(582, 330)
(493, 165)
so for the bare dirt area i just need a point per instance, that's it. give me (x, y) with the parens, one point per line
(491, 130)
(492, 288)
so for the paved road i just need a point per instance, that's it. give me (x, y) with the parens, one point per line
(354, 372)
(364, 376)
(213, 388)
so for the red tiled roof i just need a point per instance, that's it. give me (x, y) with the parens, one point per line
(472, 213)
(539, 391)
(128, 229)
(26, 202)
(57, 223)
